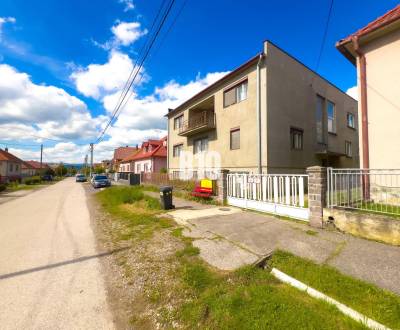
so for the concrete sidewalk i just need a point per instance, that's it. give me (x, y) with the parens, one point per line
(229, 238)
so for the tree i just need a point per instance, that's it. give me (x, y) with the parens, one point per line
(61, 170)
(99, 170)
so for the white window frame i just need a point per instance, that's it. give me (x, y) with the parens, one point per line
(332, 120)
(178, 122)
(203, 145)
(348, 149)
(177, 150)
(352, 123)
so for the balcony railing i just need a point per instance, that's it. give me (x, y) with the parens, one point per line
(198, 123)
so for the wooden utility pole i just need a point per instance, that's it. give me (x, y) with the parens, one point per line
(91, 159)
(41, 158)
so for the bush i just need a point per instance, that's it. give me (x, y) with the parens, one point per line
(3, 187)
(32, 180)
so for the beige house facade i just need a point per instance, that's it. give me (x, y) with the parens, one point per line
(375, 51)
(270, 115)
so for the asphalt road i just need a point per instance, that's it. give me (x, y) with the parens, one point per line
(50, 274)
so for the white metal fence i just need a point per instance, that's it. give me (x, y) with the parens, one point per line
(372, 190)
(283, 194)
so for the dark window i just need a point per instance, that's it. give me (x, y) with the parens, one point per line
(351, 120)
(178, 122)
(296, 138)
(200, 145)
(235, 139)
(331, 117)
(177, 150)
(235, 94)
(348, 149)
(320, 119)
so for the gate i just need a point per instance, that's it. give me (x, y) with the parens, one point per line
(283, 194)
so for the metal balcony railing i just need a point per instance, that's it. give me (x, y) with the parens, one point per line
(198, 122)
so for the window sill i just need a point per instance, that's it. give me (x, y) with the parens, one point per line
(352, 128)
(225, 107)
(332, 133)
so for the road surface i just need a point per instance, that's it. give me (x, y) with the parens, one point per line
(50, 274)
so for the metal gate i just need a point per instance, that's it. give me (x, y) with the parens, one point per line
(283, 194)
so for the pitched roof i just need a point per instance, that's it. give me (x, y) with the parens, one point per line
(382, 21)
(123, 152)
(158, 149)
(131, 156)
(26, 166)
(5, 155)
(36, 165)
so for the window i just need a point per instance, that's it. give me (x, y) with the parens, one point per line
(320, 119)
(235, 139)
(178, 122)
(330, 107)
(235, 94)
(296, 138)
(200, 145)
(177, 150)
(350, 120)
(11, 167)
(138, 168)
(348, 149)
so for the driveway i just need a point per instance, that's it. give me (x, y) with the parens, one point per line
(50, 275)
(229, 238)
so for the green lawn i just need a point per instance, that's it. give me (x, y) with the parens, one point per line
(17, 187)
(378, 304)
(205, 298)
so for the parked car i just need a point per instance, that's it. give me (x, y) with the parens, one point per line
(47, 177)
(99, 181)
(80, 178)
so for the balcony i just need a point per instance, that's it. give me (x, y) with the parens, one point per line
(198, 122)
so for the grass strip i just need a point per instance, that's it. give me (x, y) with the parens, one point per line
(380, 305)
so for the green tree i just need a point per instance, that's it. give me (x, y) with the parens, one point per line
(61, 170)
(99, 170)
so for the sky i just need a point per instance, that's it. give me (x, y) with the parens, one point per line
(63, 63)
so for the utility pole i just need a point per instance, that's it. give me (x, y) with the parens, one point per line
(41, 158)
(85, 165)
(91, 159)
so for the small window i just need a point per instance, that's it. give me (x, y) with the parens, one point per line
(235, 139)
(331, 117)
(348, 149)
(350, 120)
(320, 119)
(178, 122)
(200, 145)
(296, 138)
(235, 94)
(11, 167)
(177, 150)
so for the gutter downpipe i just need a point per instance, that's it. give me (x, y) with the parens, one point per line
(364, 114)
(258, 106)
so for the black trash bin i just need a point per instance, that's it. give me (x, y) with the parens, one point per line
(166, 197)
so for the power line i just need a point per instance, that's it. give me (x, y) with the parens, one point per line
(324, 36)
(115, 115)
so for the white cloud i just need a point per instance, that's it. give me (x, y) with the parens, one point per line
(96, 80)
(128, 4)
(353, 92)
(4, 20)
(127, 33)
(30, 109)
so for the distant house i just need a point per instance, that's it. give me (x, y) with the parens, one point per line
(120, 154)
(127, 164)
(152, 156)
(375, 52)
(27, 169)
(107, 164)
(37, 166)
(10, 166)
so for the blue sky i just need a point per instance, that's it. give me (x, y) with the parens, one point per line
(50, 47)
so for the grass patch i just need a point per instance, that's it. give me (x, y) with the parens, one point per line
(365, 298)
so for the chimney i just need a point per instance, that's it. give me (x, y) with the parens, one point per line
(6, 149)
(137, 146)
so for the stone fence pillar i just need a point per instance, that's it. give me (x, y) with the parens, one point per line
(222, 186)
(317, 187)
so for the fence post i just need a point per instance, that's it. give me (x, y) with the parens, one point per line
(222, 186)
(317, 185)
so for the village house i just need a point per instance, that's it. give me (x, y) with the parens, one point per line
(375, 51)
(120, 154)
(39, 168)
(151, 157)
(27, 170)
(127, 164)
(10, 166)
(270, 115)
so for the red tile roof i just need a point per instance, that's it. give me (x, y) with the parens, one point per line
(158, 149)
(36, 165)
(27, 166)
(389, 17)
(123, 152)
(5, 155)
(131, 156)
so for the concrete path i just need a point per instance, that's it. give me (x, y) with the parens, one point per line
(230, 239)
(50, 276)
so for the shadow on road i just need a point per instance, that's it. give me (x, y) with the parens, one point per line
(59, 264)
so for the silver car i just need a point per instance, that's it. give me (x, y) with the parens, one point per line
(100, 181)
